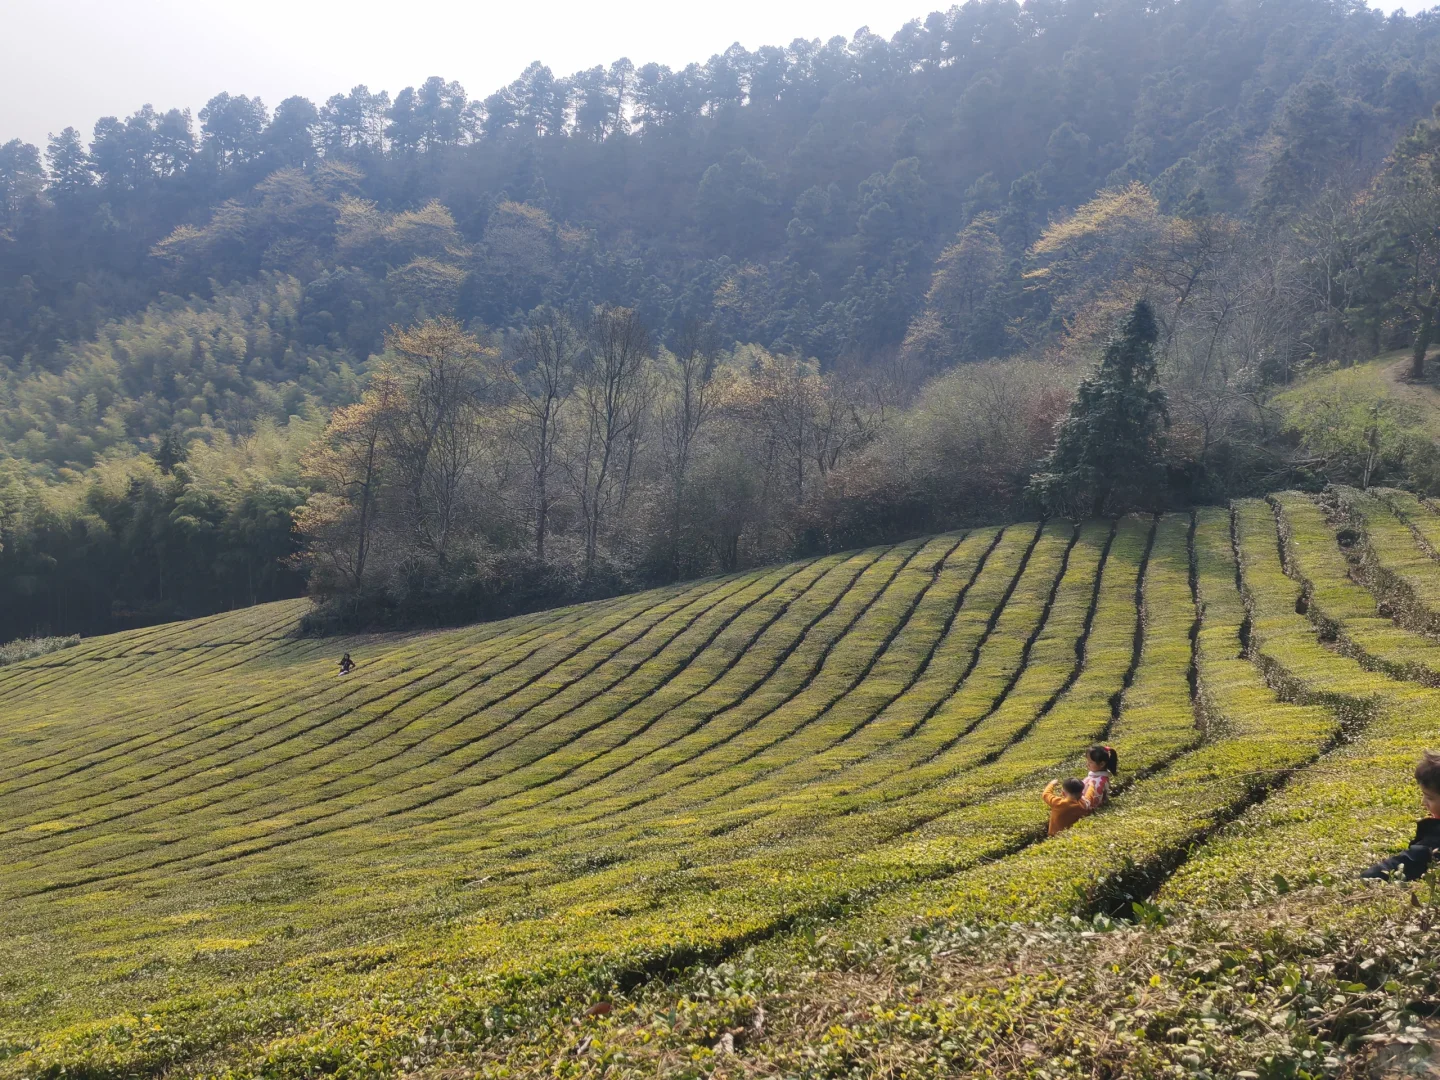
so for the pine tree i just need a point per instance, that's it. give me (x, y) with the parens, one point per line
(170, 452)
(1109, 451)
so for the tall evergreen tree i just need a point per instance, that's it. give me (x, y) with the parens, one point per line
(1108, 454)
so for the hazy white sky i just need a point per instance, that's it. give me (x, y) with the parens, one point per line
(65, 62)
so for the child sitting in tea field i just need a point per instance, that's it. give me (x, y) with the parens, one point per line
(1104, 764)
(1067, 805)
(1421, 854)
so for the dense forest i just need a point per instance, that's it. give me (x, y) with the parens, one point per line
(439, 357)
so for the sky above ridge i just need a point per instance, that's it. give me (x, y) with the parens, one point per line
(69, 62)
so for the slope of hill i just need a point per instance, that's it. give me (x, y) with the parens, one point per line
(611, 837)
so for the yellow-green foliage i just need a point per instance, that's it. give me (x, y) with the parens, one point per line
(12, 652)
(1398, 552)
(1115, 857)
(219, 857)
(1344, 609)
(1330, 816)
(1359, 427)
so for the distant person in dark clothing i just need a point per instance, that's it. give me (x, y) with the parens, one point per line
(346, 664)
(1422, 852)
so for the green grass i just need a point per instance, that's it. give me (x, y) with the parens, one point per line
(218, 858)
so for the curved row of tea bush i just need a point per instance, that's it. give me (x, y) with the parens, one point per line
(219, 856)
(1335, 815)
(1398, 558)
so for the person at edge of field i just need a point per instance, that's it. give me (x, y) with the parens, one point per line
(346, 664)
(1066, 803)
(1104, 764)
(1422, 852)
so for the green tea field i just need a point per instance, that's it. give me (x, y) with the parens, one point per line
(609, 838)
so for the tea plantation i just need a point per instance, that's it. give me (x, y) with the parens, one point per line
(782, 823)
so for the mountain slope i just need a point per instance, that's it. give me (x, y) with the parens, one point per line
(218, 857)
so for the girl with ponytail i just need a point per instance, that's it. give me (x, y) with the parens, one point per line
(1104, 764)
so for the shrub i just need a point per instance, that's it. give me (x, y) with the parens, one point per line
(12, 652)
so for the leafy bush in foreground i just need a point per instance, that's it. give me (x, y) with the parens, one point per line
(1311, 984)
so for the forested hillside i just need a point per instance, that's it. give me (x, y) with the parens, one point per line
(799, 194)
(797, 246)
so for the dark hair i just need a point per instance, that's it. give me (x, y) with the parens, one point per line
(1427, 773)
(1106, 755)
(1073, 787)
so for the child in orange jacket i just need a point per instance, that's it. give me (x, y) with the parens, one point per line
(1067, 805)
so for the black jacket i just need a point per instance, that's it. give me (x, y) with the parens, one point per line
(1415, 859)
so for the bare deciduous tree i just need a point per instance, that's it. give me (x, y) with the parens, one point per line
(611, 387)
(340, 521)
(687, 408)
(542, 375)
(432, 438)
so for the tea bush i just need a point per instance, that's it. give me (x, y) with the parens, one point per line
(613, 836)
